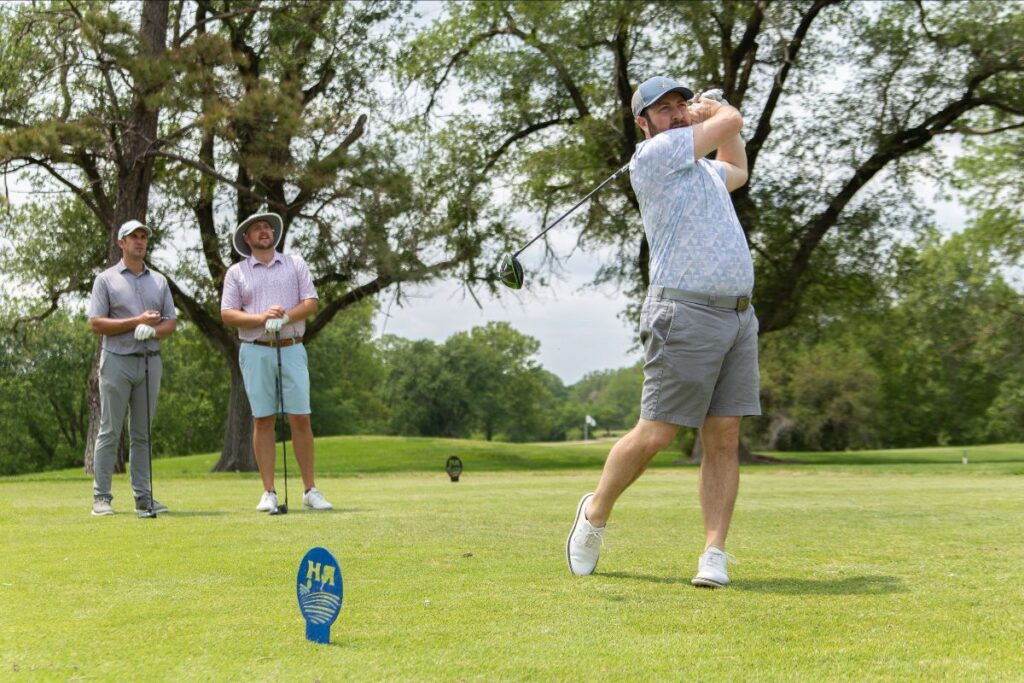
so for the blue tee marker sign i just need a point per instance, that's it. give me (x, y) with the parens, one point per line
(319, 589)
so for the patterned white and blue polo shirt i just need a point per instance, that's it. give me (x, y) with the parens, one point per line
(696, 240)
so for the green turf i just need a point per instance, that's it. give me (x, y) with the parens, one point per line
(357, 455)
(902, 567)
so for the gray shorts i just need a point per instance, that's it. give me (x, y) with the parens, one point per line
(700, 361)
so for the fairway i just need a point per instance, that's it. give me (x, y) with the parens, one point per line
(844, 574)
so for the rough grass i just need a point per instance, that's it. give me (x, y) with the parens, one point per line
(884, 566)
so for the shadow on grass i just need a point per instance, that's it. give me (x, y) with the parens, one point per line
(193, 513)
(849, 585)
(645, 577)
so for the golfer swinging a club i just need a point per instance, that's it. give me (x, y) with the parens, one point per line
(132, 309)
(267, 296)
(697, 326)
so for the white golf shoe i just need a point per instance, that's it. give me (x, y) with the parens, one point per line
(268, 502)
(102, 508)
(712, 569)
(315, 500)
(583, 546)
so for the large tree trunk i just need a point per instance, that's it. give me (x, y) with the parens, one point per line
(93, 401)
(134, 176)
(237, 455)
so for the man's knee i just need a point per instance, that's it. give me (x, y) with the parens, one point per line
(655, 435)
(263, 424)
(300, 422)
(721, 436)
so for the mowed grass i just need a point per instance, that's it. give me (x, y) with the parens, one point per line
(909, 566)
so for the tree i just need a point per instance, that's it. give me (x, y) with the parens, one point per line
(610, 396)
(484, 380)
(94, 138)
(266, 104)
(842, 103)
(346, 373)
(43, 411)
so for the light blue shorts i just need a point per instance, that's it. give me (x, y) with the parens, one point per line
(259, 373)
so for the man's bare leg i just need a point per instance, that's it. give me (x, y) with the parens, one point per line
(719, 479)
(627, 460)
(263, 448)
(302, 441)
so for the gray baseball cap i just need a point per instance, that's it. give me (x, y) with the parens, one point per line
(128, 227)
(653, 89)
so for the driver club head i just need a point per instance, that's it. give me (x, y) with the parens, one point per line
(147, 514)
(280, 510)
(510, 272)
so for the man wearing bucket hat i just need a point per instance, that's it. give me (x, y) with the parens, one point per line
(131, 310)
(267, 296)
(697, 326)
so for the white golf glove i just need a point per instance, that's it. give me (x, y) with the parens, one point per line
(274, 325)
(715, 94)
(144, 332)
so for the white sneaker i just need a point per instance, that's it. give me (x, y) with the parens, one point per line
(102, 508)
(314, 499)
(583, 546)
(712, 569)
(268, 502)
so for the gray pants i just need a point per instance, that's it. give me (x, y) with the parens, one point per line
(123, 386)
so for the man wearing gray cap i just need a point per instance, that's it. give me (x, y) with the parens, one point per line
(131, 309)
(267, 296)
(697, 326)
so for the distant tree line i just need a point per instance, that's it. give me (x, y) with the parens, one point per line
(399, 150)
(938, 361)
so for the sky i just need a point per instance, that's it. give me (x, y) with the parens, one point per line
(578, 325)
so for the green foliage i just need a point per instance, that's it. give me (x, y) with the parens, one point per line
(193, 395)
(481, 381)
(936, 362)
(835, 96)
(611, 397)
(346, 372)
(43, 411)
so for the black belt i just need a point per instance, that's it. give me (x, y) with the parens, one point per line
(144, 354)
(273, 344)
(735, 303)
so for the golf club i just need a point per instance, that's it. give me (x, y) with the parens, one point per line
(510, 271)
(281, 509)
(149, 513)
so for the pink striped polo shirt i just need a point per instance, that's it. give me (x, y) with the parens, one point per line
(252, 287)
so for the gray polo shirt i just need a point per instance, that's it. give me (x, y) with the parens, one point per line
(120, 293)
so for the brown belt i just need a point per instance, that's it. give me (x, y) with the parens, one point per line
(273, 344)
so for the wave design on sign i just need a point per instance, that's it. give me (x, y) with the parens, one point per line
(320, 607)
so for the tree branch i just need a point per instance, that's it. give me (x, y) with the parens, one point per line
(203, 168)
(494, 156)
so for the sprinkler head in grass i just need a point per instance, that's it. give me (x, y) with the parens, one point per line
(454, 468)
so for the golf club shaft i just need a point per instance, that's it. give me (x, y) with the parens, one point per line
(149, 431)
(597, 189)
(280, 396)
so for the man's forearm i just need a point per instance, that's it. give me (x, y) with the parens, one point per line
(734, 152)
(111, 327)
(302, 310)
(166, 328)
(235, 318)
